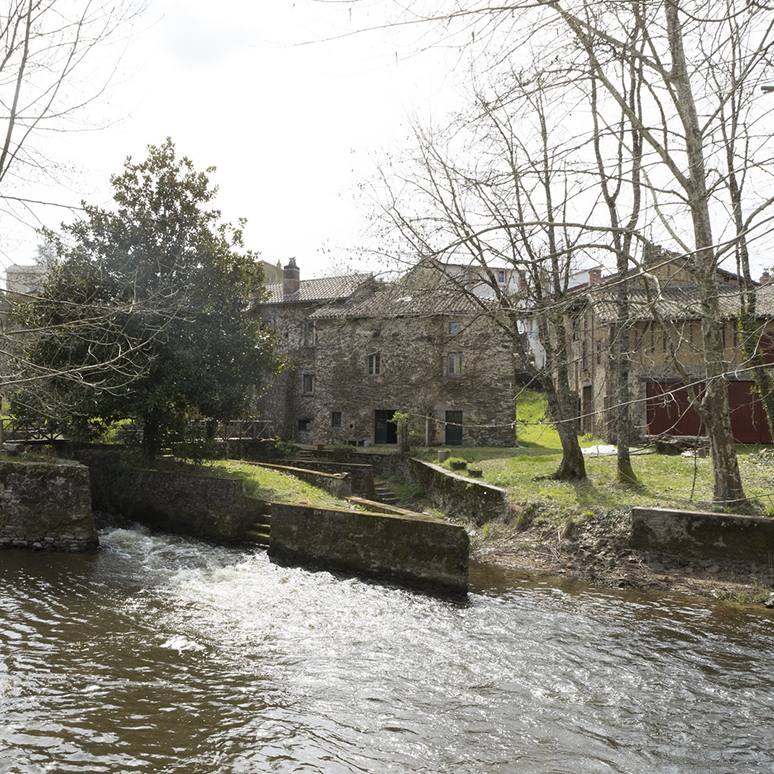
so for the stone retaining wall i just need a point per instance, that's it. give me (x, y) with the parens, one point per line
(361, 475)
(458, 496)
(46, 506)
(416, 550)
(747, 539)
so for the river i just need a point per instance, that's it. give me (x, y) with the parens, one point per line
(163, 654)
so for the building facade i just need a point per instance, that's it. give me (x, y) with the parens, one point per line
(660, 402)
(358, 352)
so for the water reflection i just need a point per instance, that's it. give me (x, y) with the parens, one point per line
(165, 654)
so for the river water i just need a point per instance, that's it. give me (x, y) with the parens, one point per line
(163, 654)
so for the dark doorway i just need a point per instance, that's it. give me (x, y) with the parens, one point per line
(454, 428)
(385, 430)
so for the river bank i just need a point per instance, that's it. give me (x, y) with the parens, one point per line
(597, 550)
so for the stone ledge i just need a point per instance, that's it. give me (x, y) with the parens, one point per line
(701, 534)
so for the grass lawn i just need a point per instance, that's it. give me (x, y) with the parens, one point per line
(665, 481)
(274, 485)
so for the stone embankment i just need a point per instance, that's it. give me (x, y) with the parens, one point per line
(46, 506)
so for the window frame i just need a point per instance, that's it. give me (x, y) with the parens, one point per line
(454, 327)
(454, 364)
(374, 364)
(308, 378)
(310, 333)
(335, 419)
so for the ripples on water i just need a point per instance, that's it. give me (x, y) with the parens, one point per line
(162, 654)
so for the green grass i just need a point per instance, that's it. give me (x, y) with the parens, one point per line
(665, 481)
(274, 485)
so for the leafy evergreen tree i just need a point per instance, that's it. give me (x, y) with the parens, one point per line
(143, 315)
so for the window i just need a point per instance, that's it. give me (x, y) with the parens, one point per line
(501, 276)
(310, 333)
(455, 364)
(307, 384)
(335, 419)
(374, 365)
(304, 424)
(454, 328)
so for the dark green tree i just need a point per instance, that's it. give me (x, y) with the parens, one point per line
(144, 314)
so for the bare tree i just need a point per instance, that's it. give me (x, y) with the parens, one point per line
(48, 73)
(704, 167)
(485, 194)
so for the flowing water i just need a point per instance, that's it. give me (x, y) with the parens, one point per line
(162, 654)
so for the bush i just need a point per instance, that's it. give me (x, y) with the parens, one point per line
(285, 448)
(457, 463)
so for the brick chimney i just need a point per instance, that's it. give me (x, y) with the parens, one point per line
(765, 278)
(291, 279)
(595, 276)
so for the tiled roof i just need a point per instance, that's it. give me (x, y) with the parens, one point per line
(399, 301)
(677, 303)
(323, 289)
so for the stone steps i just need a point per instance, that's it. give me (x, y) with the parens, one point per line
(260, 532)
(383, 494)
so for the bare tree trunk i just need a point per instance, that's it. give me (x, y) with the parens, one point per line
(563, 411)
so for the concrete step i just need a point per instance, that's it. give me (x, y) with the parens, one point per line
(260, 538)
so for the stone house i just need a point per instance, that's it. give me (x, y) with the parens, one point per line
(359, 351)
(661, 402)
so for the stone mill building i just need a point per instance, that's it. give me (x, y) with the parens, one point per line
(357, 351)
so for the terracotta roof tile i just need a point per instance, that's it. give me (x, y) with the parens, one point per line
(323, 289)
(399, 301)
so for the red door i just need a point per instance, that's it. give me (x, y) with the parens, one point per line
(669, 412)
(748, 417)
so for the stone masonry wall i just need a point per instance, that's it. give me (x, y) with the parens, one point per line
(413, 357)
(411, 550)
(746, 539)
(46, 505)
(458, 496)
(200, 506)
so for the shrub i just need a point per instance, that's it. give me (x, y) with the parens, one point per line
(457, 463)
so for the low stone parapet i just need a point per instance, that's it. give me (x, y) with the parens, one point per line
(361, 475)
(414, 550)
(697, 534)
(459, 496)
(46, 506)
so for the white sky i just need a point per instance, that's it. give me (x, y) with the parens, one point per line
(292, 129)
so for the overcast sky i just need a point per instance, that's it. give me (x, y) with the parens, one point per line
(292, 129)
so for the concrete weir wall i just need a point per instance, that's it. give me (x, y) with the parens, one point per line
(748, 539)
(46, 506)
(410, 550)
